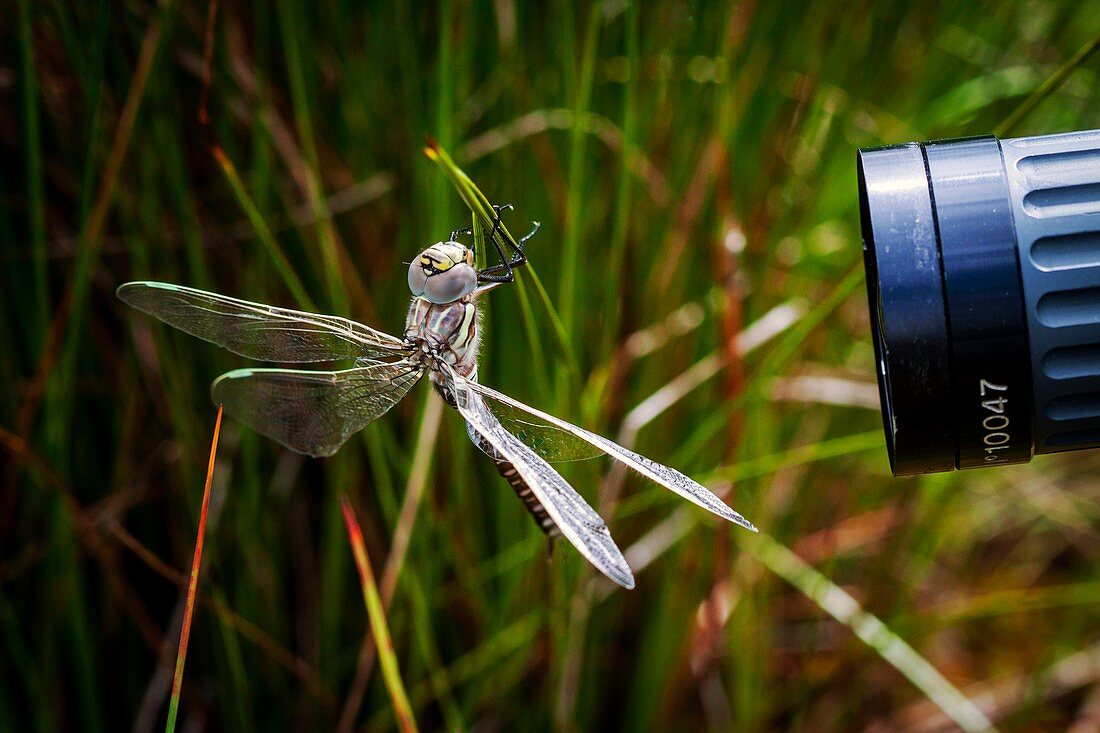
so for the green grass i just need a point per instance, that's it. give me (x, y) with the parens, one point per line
(644, 138)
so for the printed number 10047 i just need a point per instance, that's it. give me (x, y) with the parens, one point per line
(995, 435)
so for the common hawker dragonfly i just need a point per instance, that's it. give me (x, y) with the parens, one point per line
(314, 412)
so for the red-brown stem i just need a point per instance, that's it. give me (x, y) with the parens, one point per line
(193, 583)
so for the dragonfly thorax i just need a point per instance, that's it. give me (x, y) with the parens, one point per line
(443, 273)
(445, 332)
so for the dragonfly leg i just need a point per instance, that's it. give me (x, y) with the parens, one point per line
(486, 287)
(511, 253)
(534, 230)
(455, 233)
(503, 273)
(505, 264)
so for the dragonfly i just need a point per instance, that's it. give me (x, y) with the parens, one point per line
(315, 412)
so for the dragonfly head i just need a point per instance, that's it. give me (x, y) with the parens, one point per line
(443, 273)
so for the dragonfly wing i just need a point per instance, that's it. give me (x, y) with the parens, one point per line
(549, 441)
(260, 331)
(578, 522)
(670, 478)
(313, 412)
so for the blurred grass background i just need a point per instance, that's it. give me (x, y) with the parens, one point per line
(692, 167)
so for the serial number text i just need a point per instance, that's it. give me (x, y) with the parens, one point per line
(995, 435)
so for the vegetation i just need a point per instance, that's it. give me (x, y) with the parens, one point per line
(692, 165)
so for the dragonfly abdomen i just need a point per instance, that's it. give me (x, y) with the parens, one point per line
(506, 469)
(523, 491)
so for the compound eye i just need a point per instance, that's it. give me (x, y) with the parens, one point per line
(417, 278)
(450, 285)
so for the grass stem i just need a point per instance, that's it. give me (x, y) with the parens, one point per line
(391, 672)
(192, 584)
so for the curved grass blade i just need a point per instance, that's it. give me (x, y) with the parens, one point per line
(836, 602)
(1048, 87)
(391, 671)
(192, 584)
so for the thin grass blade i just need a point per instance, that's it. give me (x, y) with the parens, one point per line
(193, 584)
(391, 671)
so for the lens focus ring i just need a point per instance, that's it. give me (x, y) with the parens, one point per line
(991, 372)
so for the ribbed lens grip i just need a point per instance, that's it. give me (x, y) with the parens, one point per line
(1054, 182)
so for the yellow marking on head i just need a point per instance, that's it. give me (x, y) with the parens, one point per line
(433, 263)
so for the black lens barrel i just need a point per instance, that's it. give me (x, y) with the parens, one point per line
(908, 313)
(983, 275)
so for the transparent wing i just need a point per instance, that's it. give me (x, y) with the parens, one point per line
(670, 478)
(313, 412)
(260, 331)
(549, 441)
(579, 523)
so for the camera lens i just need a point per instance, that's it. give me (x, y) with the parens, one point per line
(983, 278)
